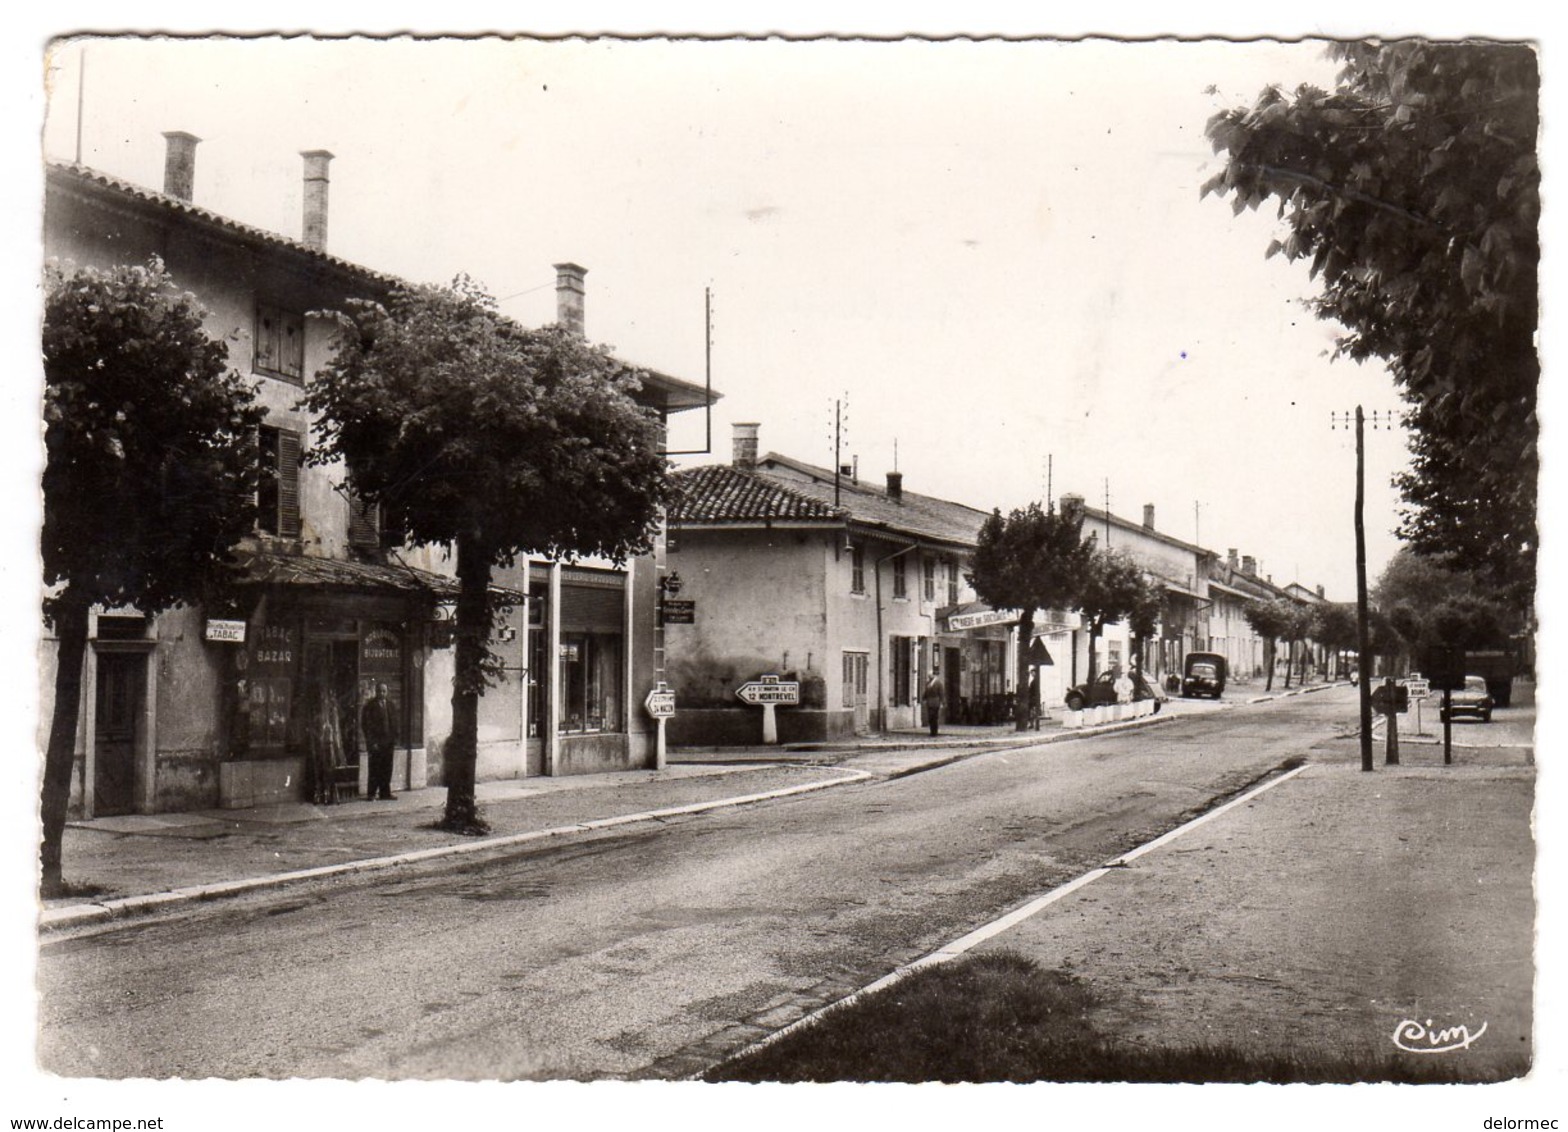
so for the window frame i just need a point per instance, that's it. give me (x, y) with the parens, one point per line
(278, 348)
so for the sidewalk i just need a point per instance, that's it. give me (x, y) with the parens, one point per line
(144, 862)
(1341, 910)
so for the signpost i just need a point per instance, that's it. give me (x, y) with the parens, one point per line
(1391, 699)
(661, 705)
(768, 692)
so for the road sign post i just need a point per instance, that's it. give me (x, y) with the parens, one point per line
(768, 692)
(661, 705)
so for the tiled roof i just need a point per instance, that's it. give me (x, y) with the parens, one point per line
(675, 393)
(719, 493)
(88, 179)
(784, 490)
(868, 504)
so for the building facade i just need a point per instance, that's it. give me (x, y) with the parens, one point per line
(199, 708)
(857, 590)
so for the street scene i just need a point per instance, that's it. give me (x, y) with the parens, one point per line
(1013, 563)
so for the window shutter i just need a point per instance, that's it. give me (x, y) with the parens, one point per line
(289, 449)
(363, 529)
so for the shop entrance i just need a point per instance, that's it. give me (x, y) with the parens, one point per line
(117, 722)
(855, 666)
(330, 685)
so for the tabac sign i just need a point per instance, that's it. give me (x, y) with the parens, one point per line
(958, 622)
(233, 631)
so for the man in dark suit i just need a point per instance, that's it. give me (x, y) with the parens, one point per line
(376, 725)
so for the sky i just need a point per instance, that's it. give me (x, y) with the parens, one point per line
(990, 259)
(994, 253)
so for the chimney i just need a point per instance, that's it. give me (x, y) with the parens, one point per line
(895, 486)
(1249, 565)
(315, 233)
(745, 449)
(1321, 595)
(1148, 516)
(179, 164)
(569, 291)
(1072, 504)
(1230, 558)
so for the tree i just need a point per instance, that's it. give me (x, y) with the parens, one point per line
(1030, 560)
(490, 440)
(1334, 627)
(149, 480)
(1274, 621)
(1413, 190)
(1115, 589)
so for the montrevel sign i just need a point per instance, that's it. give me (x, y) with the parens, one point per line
(770, 690)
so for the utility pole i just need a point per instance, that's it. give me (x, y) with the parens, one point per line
(1363, 643)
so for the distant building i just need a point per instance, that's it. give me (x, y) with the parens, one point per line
(857, 589)
(198, 708)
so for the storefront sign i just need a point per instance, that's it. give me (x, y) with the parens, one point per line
(770, 690)
(680, 612)
(226, 631)
(958, 622)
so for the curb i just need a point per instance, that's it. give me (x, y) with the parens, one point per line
(75, 915)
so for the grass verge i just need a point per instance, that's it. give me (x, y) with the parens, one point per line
(1000, 1017)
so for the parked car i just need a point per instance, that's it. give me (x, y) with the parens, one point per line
(1473, 699)
(1203, 674)
(1102, 690)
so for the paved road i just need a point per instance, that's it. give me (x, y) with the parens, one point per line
(648, 953)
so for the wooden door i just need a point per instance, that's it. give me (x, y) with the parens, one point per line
(117, 725)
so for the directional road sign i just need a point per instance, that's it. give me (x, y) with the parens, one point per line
(769, 690)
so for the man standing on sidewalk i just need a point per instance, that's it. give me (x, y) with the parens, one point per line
(932, 699)
(375, 723)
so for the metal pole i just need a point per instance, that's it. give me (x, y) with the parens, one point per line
(1363, 648)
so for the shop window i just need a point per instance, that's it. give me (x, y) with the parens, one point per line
(857, 569)
(900, 578)
(277, 500)
(928, 569)
(280, 343)
(591, 675)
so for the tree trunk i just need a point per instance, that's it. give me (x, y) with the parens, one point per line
(1094, 638)
(1024, 710)
(1290, 660)
(460, 757)
(1268, 665)
(70, 622)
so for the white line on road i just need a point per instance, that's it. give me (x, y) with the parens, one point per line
(996, 927)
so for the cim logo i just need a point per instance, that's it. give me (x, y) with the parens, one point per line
(1413, 1037)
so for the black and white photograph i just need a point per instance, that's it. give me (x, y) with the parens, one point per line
(662, 570)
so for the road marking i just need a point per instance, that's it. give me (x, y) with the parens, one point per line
(996, 927)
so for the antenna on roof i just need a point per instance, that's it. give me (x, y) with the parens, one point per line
(81, 90)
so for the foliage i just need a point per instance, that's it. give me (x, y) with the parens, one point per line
(480, 436)
(1334, 625)
(1274, 621)
(152, 464)
(1032, 559)
(1413, 190)
(1114, 588)
(150, 474)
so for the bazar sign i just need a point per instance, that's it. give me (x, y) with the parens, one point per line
(961, 621)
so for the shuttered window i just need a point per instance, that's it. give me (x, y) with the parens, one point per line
(364, 523)
(280, 343)
(277, 501)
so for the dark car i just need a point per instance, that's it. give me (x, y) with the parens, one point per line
(1473, 700)
(1203, 674)
(1102, 690)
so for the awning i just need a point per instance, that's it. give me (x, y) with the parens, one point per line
(262, 568)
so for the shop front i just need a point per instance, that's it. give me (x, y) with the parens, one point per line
(975, 661)
(311, 654)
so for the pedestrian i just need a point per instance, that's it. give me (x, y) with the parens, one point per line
(376, 725)
(932, 700)
(1034, 698)
(1123, 686)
